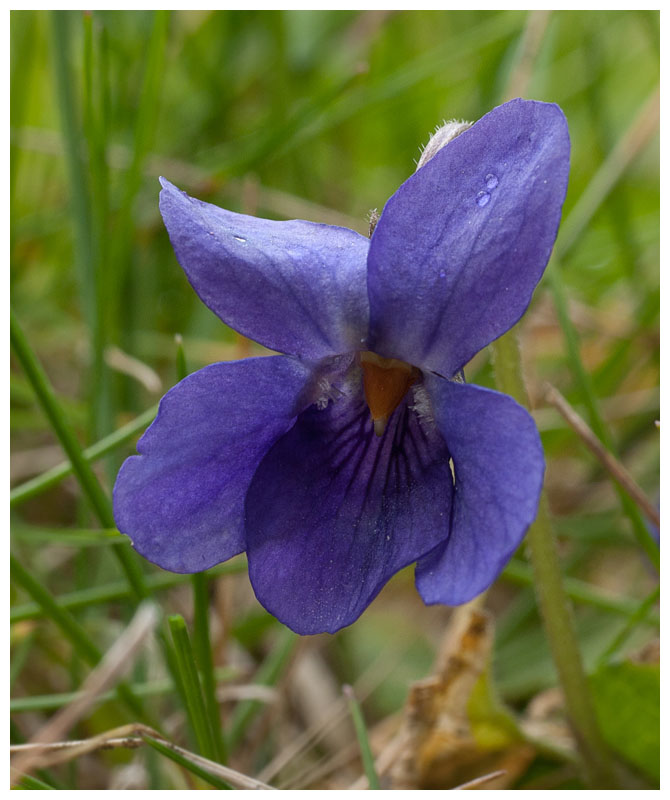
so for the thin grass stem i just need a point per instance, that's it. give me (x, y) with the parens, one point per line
(56, 474)
(80, 466)
(118, 590)
(363, 740)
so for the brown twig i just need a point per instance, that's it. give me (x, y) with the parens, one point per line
(620, 474)
(132, 736)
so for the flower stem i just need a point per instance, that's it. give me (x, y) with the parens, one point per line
(554, 604)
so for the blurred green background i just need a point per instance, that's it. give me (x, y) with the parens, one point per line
(319, 115)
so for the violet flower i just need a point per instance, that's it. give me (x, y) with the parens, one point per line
(361, 450)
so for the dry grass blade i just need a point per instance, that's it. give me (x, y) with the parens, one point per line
(633, 141)
(476, 783)
(60, 752)
(134, 368)
(116, 662)
(132, 736)
(277, 201)
(609, 462)
(518, 82)
(332, 716)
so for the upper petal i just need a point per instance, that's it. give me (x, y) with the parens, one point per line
(334, 511)
(181, 500)
(296, 287)
(461, 245)
(499, 467)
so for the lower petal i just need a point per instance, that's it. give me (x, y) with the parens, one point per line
(334, 511)
(181, 500)
(499, 468)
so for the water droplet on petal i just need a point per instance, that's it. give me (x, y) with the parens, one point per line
(482, 198)
(443, 274)
(491, 181)
(239, 239)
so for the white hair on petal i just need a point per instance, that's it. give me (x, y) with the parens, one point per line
(422, 406)
(324, 394)
(444, 133)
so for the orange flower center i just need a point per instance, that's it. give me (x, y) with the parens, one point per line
(385, 383)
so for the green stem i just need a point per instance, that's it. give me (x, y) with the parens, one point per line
(554, 603)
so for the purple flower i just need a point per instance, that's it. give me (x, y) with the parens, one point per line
(360, 450)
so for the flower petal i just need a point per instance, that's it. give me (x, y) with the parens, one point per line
(181, 500)
(334, 511)
(462, 244)
(499, 467)
(296, 287)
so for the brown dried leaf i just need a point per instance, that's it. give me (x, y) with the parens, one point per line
(438, 748)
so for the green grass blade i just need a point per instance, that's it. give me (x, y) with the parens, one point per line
(95, 138)
(144, 125)
(118, 590)
(66, 435)
(363, 740)
(201, 639)
(69, 537)
(72, 141)
(52, 702)
(56, 474)
(178, 758)
(639, 615)
(188, 671)
(640, 530)
(579, 591)
(78, 637)
(29, 782)
(203, 651)
(19, 657)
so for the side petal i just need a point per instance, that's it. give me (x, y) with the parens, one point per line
(462, 244)
(296, 287)
(334, 511)
(181, 501)
(499, 468)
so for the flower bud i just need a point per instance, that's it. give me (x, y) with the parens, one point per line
(443, 135)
